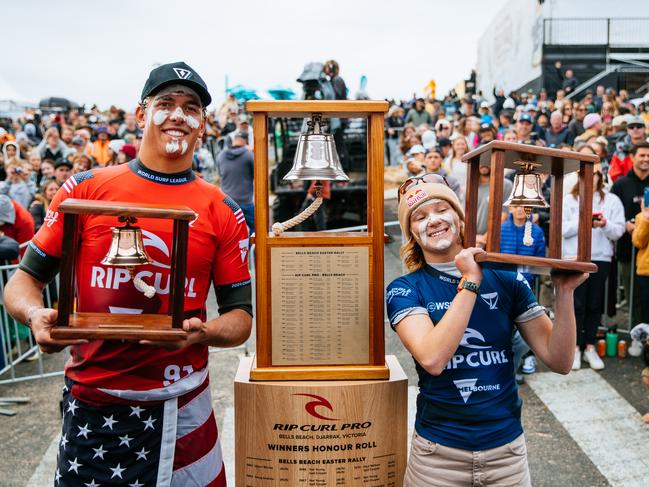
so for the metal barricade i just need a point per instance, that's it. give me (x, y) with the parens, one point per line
(17, 346)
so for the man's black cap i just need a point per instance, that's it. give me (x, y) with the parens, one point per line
(176, 73)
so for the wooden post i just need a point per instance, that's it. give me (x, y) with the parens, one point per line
(585, 212)
(495, 200)
(68, 266)
(556, 209)
(262, 226)
(471, 204)
(375, 228)
(181, 268)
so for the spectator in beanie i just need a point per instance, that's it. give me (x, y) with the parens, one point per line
(126, 153)
(592, 127)
(62, 171)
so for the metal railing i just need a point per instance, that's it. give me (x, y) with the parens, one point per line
(596, 32)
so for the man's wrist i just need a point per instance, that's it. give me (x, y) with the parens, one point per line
(31, 311)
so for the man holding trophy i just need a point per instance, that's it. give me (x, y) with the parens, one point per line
(139, 412)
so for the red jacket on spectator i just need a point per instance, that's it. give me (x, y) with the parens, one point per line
(619, 167)
(22, 229)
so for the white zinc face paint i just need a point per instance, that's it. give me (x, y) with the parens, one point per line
(434, 218)
(160, 116)
(183, 146)
(172, 146)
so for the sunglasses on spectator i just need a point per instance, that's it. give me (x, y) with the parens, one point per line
(581, 109)
(635, 126)
(414, 181)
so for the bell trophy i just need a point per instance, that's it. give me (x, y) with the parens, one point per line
(320, 402)
(127, 251)
(530, 161)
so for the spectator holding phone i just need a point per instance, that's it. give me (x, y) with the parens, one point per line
(608, 227)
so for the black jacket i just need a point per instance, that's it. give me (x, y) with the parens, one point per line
(630, 189)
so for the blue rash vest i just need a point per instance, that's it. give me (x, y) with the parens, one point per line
(473, 404)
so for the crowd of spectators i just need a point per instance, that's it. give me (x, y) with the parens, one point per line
(432, 136)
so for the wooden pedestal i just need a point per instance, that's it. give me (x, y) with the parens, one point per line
(321, 433)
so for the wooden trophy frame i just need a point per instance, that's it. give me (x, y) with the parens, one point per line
(500, 155)
(275, 254)
(72, 324)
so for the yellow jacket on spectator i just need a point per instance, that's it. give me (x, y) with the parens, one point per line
(100, 152)
(641, 241)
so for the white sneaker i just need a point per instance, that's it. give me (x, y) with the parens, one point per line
(529, 365)
(591, 357)
(576, 362)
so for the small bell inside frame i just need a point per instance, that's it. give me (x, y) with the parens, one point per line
(316, 157)
(527, 193)
(527, 190)
(126, 248)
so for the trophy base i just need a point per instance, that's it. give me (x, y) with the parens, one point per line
(538, 265)
(104, 326)
(319, 372)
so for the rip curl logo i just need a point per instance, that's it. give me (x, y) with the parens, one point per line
(182, 73)
(51, 218)
(470, 333)
(397, 291)
(491, 299)
(320, 401)
(416, 197)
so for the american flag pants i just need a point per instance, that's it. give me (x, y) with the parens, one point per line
(173, 444)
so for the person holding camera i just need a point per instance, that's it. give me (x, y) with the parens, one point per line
(608, 227)
(18, 184)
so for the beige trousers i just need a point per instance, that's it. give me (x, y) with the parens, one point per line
(432, 464)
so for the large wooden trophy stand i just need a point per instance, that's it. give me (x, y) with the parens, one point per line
(318, 405)
(73, 324)
(500, 155)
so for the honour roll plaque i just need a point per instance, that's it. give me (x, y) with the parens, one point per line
(320, 305)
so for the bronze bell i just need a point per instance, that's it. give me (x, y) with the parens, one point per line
(527, 189)
(127, 247)
(316, 157)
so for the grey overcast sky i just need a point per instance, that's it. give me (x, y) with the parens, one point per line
(101, 52)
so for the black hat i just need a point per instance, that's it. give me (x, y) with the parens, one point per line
(62, 162)
(176, 73)
(485, 126)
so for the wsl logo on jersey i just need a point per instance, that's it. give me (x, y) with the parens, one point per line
(481, 357)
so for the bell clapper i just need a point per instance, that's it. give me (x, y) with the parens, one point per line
(278, 228)
(140, 285)
(527, 234)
